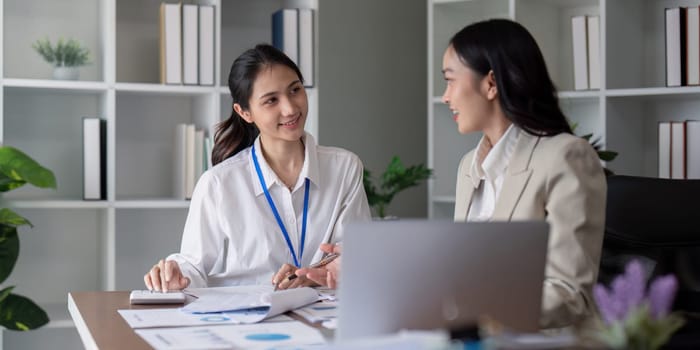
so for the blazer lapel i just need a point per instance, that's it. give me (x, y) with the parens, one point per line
(465, 189)
(464, 200)
(516, 178)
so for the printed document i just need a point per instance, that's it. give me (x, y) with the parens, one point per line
(225, 305)
(277, 335)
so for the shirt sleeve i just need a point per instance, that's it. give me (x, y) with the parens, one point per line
(575, 210)
(201, 240)
(354, 206)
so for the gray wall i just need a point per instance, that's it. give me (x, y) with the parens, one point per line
(372, 87)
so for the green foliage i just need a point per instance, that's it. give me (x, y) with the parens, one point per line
(640, 330)
(66, 53)
(395, 179)
(604, 155)
(16, 170)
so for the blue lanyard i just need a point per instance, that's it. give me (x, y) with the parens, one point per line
(297, 263)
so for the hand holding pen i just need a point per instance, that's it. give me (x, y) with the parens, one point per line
(321, 263)
(327, 275)
(289, 276)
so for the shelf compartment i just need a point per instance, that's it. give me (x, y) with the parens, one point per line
(636, 42)
(77, 19)
(145, 139)
(137, 41)
(142, 238)
(549, 22)
(245, 31)
(47, 125)
(632, 128)
(61, 253)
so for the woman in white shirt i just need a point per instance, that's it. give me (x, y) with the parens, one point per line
(273, 197)
(528, 165)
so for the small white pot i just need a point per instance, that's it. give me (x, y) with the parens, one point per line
(65, 73)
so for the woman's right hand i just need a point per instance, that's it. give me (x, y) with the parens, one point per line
(165, 276)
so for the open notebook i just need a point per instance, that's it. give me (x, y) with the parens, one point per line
(224, 305)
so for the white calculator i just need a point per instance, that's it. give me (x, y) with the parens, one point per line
(153, 297)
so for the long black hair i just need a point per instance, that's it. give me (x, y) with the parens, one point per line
(235, 134)
(526, 92)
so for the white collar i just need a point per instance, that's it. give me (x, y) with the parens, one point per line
(308, 170)
(491, 164)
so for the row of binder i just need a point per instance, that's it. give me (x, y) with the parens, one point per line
(192, 157)
(682, 46)
(293, 34)
(94, 158)
(679, 149)
(585, 32)
(186, 44)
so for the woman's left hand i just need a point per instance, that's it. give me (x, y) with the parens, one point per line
(281, 279)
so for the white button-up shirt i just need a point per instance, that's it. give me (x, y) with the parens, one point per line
(487, 172)
(231, 236)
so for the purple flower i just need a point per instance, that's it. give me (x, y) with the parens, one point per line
(661, 293)
(627, 292)
(609, 308)
(636, 283)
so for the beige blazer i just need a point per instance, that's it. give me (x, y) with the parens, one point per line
(559, 179)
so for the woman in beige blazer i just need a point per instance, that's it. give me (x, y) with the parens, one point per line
(528, 164)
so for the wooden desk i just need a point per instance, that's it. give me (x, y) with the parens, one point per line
(101, 327)
(99, 324)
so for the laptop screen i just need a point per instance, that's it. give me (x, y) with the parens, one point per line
(423, 274)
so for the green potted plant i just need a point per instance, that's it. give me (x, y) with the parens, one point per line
(17, 169)
(66, 57)
(395, 179)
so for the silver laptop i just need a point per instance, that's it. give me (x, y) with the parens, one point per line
(422, 274)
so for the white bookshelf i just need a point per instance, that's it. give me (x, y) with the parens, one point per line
(623, 113)
(106, 245)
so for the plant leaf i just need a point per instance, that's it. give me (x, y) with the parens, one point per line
(9, 250)
(573, 127)
(394, 179)
(607, 155)
(613, 336)
(7, 183)
(5, 292)
(9, 217)
(21, 314)
(17, 166)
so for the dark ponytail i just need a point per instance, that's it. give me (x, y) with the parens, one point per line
(235, 134)
(526, 92)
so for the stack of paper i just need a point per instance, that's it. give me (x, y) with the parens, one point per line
(256, 306)
(237, 313)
